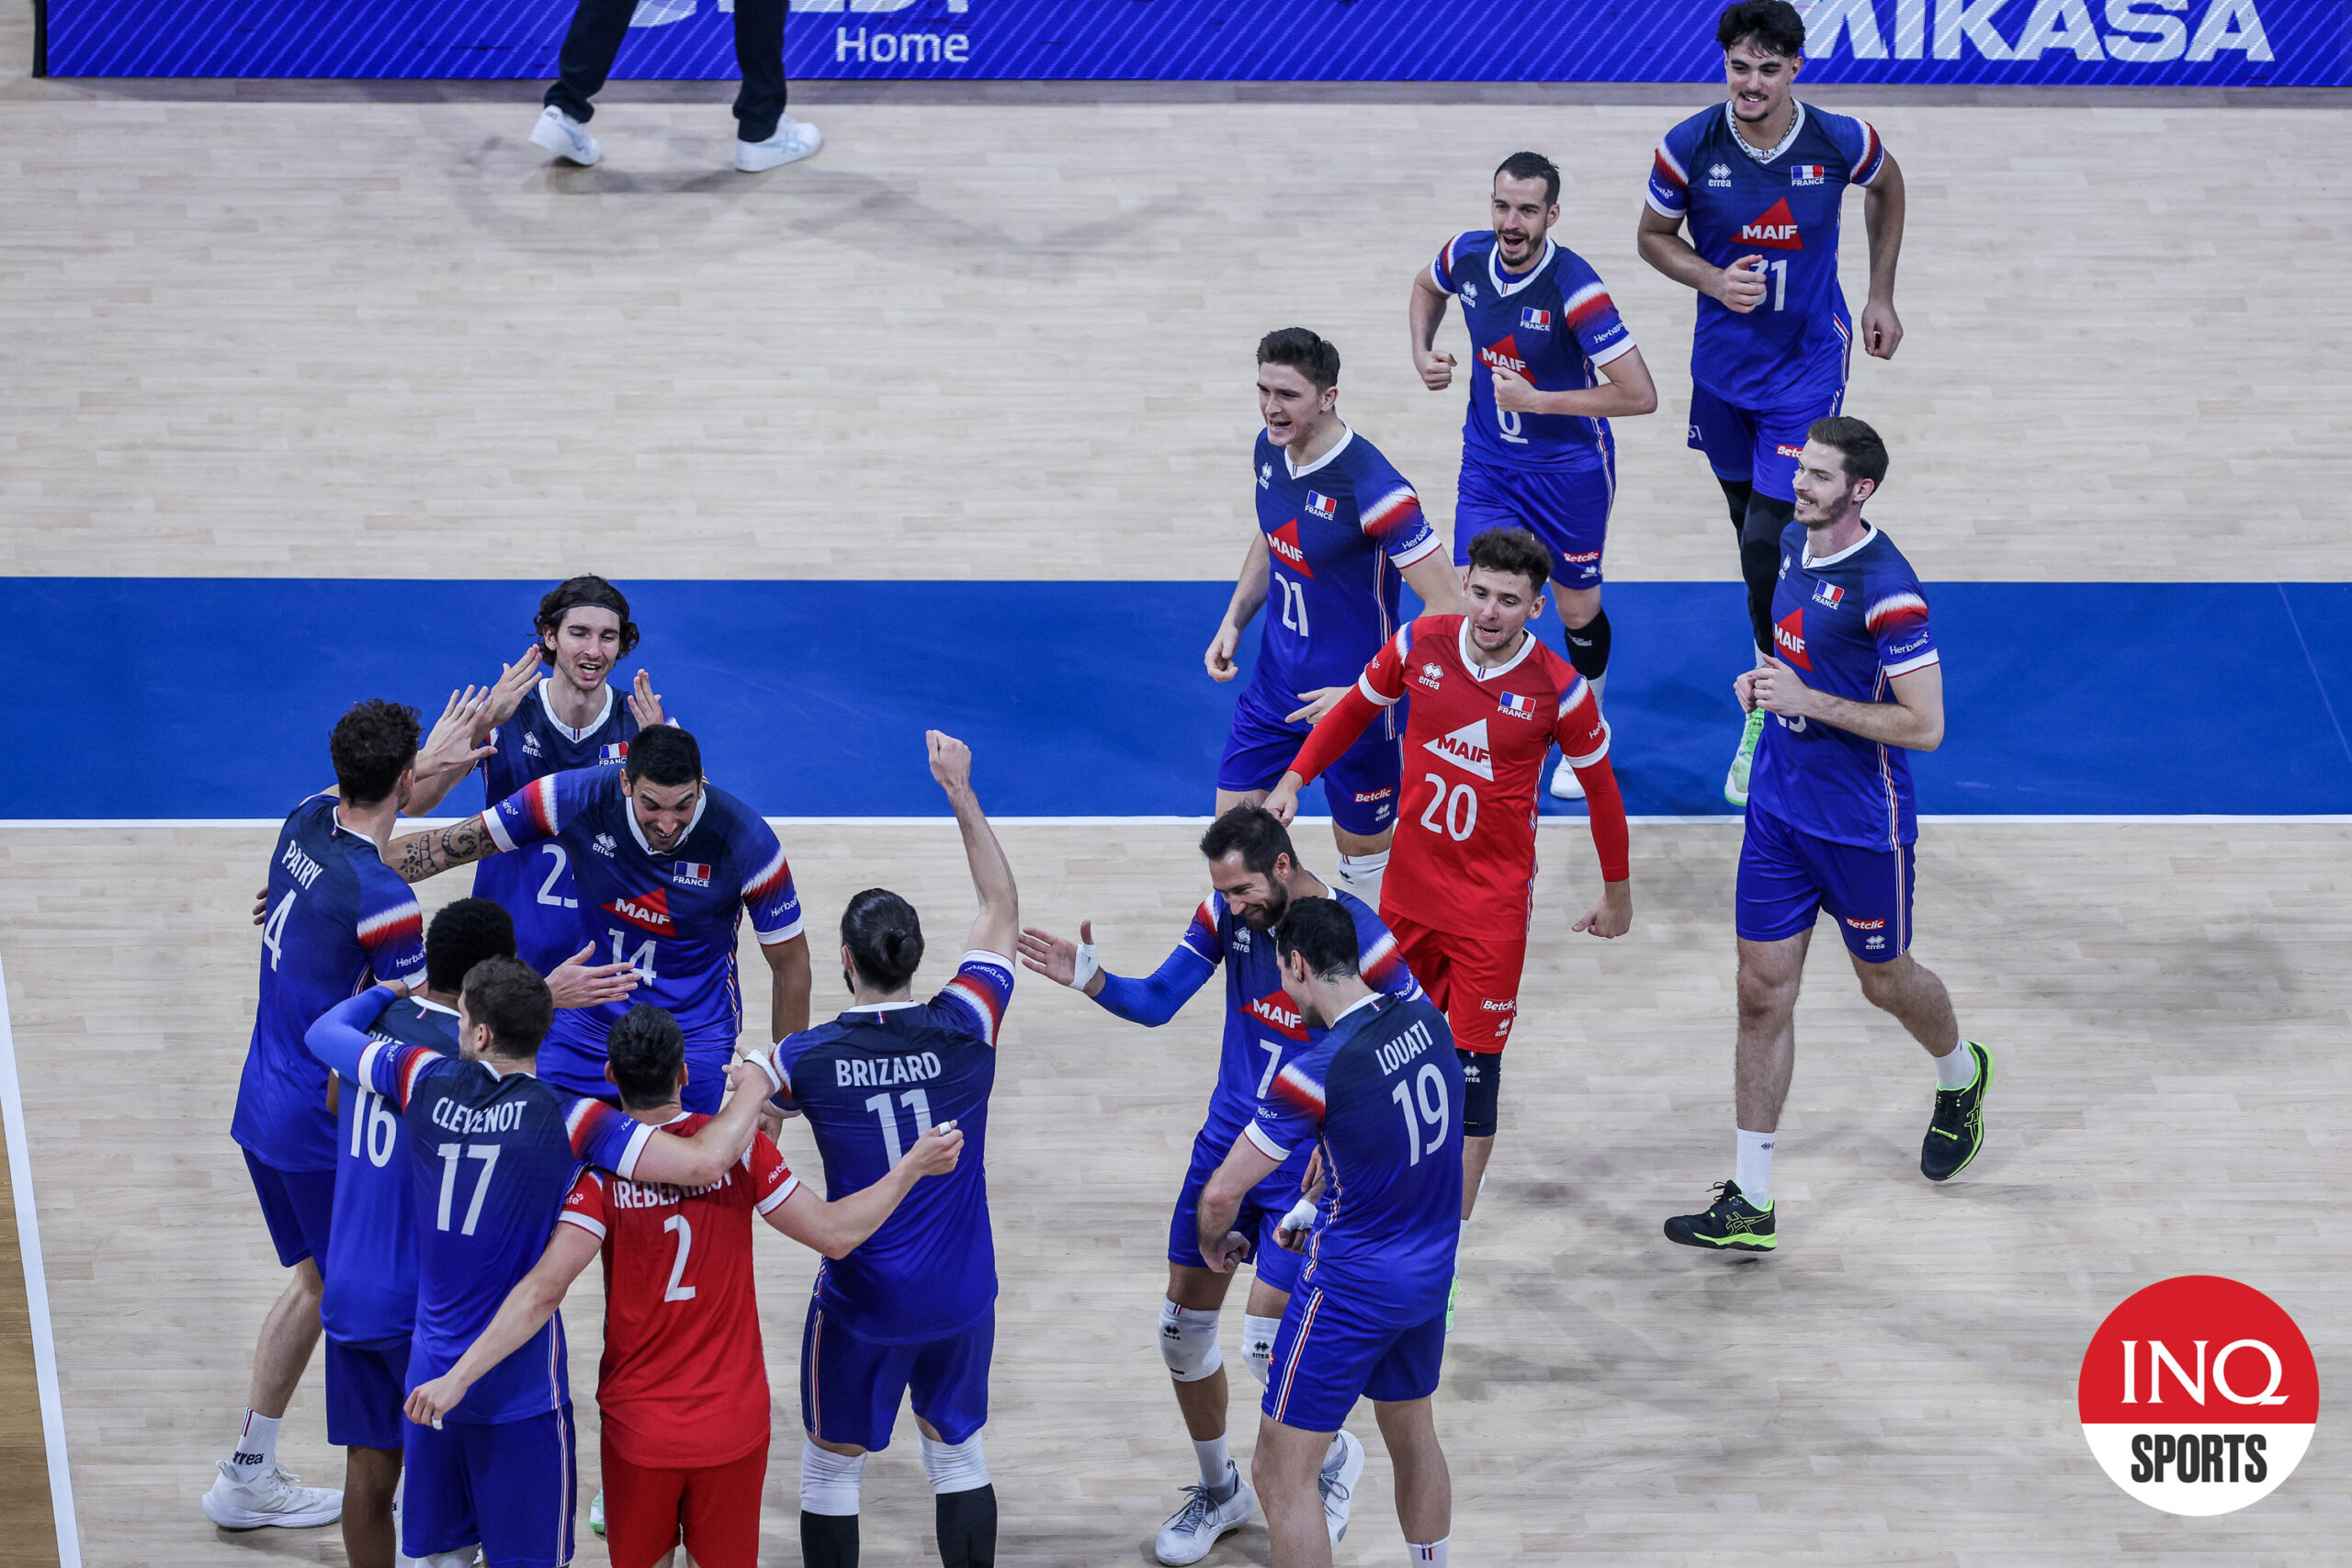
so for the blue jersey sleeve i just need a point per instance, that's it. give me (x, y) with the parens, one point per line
(339, 1037)
(604, 1137)
(539, 809)
(1446, 270)
(1897, 618)
(1152, 1002)
(974, 1002)
(768, 892)
(391, 925)
(1592, 314)
(1290, 1114)
(1389, 511)
(1858, 141)
(1669, 187)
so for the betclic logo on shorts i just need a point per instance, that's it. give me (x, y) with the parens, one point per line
(2198, 1395)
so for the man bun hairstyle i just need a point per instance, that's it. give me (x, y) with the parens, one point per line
(1772, 25)
(1532, 166)
(372, 745)
(574, 592)
(1515, 551)
(645, 1048)
(1255, 832)
(1304, 352)
(1858, 444)
(1318, 930)
(663, 754)
(503, 994)
(884, 938)
(462, 934)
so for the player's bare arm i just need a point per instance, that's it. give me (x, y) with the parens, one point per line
(1914, 720)
(1424, 313)
(1625, 391)
(1883, 219)
(999, 918)
(702, 1159)
(450, 752)
(839, 1228)
(1248, 598)
(417, 856)
(1245, 1165)
(1062, 961)
(1740, 286)
(790, 984)
(522, 1314)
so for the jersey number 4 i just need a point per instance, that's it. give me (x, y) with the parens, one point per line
(273, 935)
(913, 1100)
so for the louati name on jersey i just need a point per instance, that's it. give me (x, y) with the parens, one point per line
(2198, 1395)
(2138, 32)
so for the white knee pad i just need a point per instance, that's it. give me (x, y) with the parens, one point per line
(829, 1482)
(1258, 1346)
(1188, 1342)
(955, 1467)
(461, 1558)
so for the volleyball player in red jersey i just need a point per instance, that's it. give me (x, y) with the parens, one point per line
(1489, 703)
(683, 1390)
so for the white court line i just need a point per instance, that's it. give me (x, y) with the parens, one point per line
(52, 1405)
(1730, 820)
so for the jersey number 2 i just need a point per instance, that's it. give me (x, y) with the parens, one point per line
(548, 895)
(685, 1234)
(913, 1100)
(1294, 605)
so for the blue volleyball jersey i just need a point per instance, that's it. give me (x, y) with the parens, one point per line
(1791, 349)
(1848, 624)
(534, 883)
(1554, 326)
(672, 915)
(491, 1158)
(1381, 1093)
(1339, 533)
(336, 913)
(371, 1257)
(873, 1082)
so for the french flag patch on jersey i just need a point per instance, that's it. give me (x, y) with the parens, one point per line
(693, 874)
(1518, 707)
(1807, 173)
(617, 752)
(1829, 593)
(1323, 506)
(1534, 320)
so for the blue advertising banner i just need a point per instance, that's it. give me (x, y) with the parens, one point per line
(1998, 42)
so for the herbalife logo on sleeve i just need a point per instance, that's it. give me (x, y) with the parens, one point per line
(2198, 1395)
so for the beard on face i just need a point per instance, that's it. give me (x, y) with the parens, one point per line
(1270, 914)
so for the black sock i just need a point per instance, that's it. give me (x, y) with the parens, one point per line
(1589, 646)
(1759, 558)
(968, 1528)
(1736, 494)
(828, 1540)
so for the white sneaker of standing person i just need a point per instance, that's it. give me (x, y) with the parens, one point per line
(565, 137)
(271, 1497)
(1565, 785)
(1194, 1529)
(794, 140)
(1342, 1468)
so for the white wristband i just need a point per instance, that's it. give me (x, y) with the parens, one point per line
(1087, 967)
(759, 1059)
(1301, 1216)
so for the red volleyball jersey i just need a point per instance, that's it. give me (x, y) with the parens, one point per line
(1463, 857)
(684, 1383)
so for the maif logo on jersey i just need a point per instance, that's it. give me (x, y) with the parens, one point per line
(1776, 230)
(1788, 635)
(647, 911)
(1467, 749)
(1504, 356)
(2198, 1395)
(1284, 542)
(1279, 1013)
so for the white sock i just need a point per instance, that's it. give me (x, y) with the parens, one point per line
(1362, 874)
(829, 1482)
(1956, 1069)
(1753, 1169)
(256, 1446)
(1431, 1555)
(1217, 1465)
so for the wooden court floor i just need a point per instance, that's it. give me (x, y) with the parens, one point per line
(1897, 1386)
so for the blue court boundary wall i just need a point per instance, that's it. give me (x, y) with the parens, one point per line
(1996, 42)
(212, 698)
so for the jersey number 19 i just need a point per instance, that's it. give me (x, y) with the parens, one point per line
(1429, 1091)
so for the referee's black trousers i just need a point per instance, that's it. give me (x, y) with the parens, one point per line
(598, 26)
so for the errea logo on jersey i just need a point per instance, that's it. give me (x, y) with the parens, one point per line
(1265, 476)
(1432, 674)
(605, 844)
(530, 744)
(1776, 230)
(1467, 749)
(1284, 542)
(647, 911)
(1719, 176)
(1278, 1012)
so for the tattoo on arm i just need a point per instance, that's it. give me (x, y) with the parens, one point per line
(427, 854)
